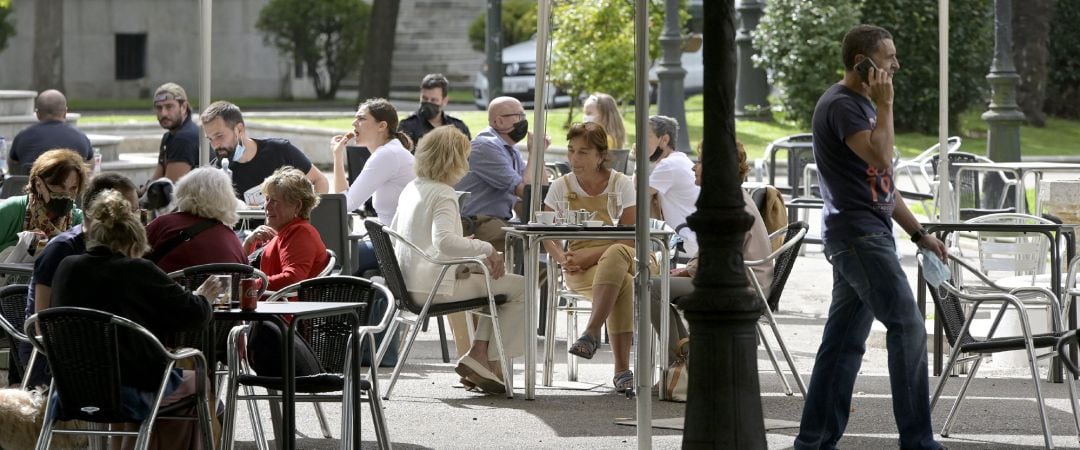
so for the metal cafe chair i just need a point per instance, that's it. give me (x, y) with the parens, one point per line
(83, 349)
(12, 319)
(330, 341)
(951, 301)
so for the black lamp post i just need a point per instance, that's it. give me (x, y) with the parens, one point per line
(493, 48)
(724, 406)
(752, 93)
(671, 96)
(1004, 117)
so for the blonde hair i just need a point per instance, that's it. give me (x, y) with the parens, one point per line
(609, 117)
(294, 187)
(208, 193)
(443, 155)
(115, 225)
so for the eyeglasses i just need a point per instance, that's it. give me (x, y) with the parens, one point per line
(520, 114)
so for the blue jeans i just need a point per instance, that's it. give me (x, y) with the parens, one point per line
(868, 284)
(365, 258)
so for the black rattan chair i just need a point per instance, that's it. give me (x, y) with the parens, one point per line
(83, 349)
(382, 239)
(782, 260)
(12, 319)
(951, 303)
(330, 341)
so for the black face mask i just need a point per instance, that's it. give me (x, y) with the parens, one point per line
(655, 156)
(428, 110)
(520, 130)
(59, 206)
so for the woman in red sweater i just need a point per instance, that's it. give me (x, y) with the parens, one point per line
(293, 250)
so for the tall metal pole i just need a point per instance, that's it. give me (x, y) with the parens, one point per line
(752, 91)
(539, 123)
(494, 47)
(643, 338)
(947, 211)
(724, 406)
(205, 22)
(1004, 117)
(671, 74)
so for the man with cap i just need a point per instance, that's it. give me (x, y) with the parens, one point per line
(431, 114)
(179, 149)
(51, 131)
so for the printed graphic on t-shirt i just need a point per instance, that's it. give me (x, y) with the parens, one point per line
(880, 185)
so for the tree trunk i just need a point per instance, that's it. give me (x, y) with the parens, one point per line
(48, 69)
(1031, 37)
(379, 56)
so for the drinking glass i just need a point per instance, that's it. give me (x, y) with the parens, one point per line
(614, 207)
(562, 207)
(224, 300)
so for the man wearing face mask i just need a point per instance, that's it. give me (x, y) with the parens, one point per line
(252, 160)
(672, 178)
(433, 100)
(498, 173)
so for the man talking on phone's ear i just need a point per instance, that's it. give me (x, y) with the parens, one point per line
(853, 149)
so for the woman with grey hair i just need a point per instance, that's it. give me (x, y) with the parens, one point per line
(672, 177)
(205, 215)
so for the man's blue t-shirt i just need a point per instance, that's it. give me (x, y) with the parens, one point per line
(181, 146)
(42, 137)
(70, 242)
(859, 199)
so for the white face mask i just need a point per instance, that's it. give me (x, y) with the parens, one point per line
(588, 118)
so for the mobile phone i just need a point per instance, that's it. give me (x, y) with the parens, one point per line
(863, 67)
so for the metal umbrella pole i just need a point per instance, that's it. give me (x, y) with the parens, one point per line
(205, 21)
(947, 211)
(643, 337)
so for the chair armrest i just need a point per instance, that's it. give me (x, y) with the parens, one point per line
(783, 248)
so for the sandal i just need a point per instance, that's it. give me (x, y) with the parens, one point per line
(623, 381)
(585, 347)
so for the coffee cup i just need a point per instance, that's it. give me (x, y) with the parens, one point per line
(594, 223)
(545, 217)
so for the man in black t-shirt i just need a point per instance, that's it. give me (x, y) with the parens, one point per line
(252, 160)
(433, 100)
(49, 133)
(853, 148)
(179, 149)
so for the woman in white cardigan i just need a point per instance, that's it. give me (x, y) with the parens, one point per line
(428, 217)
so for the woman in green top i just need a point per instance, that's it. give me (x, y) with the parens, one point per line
(57, 178)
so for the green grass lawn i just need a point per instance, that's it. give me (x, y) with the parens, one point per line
(1058, 137)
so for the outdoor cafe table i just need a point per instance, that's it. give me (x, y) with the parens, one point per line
(1053, 232)
(274, 312)
(1020, 170)
(532, 238)
(20, 269)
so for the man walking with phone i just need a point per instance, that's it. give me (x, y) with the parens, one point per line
(853, 147)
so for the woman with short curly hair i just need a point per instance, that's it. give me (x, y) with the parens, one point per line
(205, 213)
(57, 178)
(293, 250)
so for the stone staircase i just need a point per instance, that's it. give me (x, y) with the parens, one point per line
(432, 36)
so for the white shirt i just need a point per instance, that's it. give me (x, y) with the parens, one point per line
(617, 181)
(384, 175)
(428, 217)
(673, 178)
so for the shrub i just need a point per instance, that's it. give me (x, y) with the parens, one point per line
(914, 25)
(518, 24)
(799, 46)
(323, 35)
(6, 29)
(1063, 84)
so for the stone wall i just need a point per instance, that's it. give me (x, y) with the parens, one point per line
(243, 65)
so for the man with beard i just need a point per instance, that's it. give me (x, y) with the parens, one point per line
(433, 98)
(252, 160)
(179, 149)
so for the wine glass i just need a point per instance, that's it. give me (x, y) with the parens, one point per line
(614, 207)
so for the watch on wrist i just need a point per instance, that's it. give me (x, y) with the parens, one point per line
(918, 235)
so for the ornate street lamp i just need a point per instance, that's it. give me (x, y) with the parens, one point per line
(671, 96)
(752, 91)
(1004, 117)
(724, 397)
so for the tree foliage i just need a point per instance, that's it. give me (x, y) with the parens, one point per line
(799, 46)
(518, 24)
(593, 45)
(327, 36)
(914, 25)
(7, 30)
(1063, 82)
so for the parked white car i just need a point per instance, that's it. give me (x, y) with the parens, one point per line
(519, 77)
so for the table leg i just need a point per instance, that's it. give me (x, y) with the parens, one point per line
(288, 395)
(1056, 368)
(355, 402)
(532, 263)
(665, 318)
